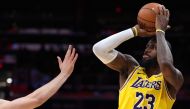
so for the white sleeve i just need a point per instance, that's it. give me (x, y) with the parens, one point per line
(105, 49)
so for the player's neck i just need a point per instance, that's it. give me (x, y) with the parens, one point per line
(152, 71)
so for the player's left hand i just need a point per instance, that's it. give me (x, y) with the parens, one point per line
(144, 33)
(162, 18)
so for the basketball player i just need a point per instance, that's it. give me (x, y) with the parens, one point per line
(41, 95)
(155, 83)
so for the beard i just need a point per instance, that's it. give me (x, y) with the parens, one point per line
(149, 63)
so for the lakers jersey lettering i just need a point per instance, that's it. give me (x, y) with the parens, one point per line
(146, 84)
(143, 92)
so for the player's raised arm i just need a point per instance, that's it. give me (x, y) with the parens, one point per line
(106, 52)
(165, 60)
(41, 95)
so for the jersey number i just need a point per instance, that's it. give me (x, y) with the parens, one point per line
(149, 97)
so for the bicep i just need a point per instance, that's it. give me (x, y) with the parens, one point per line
(20, 103)
(173, 76)
(122, 63)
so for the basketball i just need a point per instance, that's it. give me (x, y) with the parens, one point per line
(147, 16)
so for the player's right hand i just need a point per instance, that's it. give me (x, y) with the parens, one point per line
(143, 33)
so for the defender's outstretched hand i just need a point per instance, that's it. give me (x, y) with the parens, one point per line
(42, 94)
(67, 65)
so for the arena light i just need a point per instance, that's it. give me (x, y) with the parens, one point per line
(9, 80)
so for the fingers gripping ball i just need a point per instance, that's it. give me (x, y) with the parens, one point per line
(147, 16)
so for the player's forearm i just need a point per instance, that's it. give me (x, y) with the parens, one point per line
(164, 54)
(114, 40)
(104, 49)
(49, 89)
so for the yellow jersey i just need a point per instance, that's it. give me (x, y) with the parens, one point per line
(143, 92)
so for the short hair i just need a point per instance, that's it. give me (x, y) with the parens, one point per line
(154, 40)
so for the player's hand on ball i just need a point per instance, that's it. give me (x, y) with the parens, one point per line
(162, 18)
(143, 33)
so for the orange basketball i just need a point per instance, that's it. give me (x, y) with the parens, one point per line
(147, 16)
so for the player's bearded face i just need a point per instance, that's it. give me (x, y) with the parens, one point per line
(149, 57)
(151, 62)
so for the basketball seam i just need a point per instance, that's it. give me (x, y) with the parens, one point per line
(150, 10)
(146, 21)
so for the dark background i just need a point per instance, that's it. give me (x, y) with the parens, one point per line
(33, 33)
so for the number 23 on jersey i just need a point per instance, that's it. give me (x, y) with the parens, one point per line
(141, 98)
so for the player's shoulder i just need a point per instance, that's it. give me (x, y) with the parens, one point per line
(139, 69)
(131, 61)
(130, 58)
